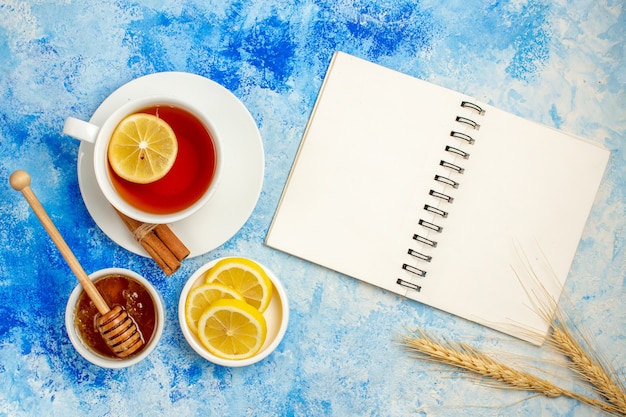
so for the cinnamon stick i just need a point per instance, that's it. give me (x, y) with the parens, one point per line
(175, 245)
(159, 241)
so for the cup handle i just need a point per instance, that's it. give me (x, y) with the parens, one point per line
(80, 129)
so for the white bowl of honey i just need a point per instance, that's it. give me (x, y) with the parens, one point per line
(117, 286)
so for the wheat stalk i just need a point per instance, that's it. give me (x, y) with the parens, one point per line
(587, 363)
(588, 367)
(471, 359)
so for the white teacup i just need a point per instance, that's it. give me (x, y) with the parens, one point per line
(191, 182)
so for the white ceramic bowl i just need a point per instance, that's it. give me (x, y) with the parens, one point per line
(96, 358)
(276, 316)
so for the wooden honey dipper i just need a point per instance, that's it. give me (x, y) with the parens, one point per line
(117, 327)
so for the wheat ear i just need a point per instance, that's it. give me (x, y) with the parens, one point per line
(471, 359)
(587, 366)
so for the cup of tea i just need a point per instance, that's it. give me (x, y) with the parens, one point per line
(189, 183)
(118, 286)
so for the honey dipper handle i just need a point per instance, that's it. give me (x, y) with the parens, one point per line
(20, 181)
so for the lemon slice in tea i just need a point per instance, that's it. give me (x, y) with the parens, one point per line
(232, 329)
(142, 149)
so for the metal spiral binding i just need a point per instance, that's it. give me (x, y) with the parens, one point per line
(457, 151)
(443, 196)
(414, 270)
(446, 181)
(473, 106)
(431, 226)
(425, 240)
(408, 284)
(420, 255)
(468, 122)
(435, 210)
(467, 138)
(452, 166)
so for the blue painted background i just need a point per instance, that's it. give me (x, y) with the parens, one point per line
(560, 63)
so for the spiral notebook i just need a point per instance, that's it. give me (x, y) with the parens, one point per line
(435, 196)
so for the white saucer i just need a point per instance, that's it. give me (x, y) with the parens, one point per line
(244, 163)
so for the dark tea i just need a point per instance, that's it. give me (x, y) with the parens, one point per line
(120, 290)
(189, 178)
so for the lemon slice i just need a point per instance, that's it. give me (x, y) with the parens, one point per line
(232, 329)
(202, 297)
(142, 148)
(246, 277)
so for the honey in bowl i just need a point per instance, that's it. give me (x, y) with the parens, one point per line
(190, 176)
(121, 290)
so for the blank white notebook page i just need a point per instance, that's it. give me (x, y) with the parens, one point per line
(362, 193)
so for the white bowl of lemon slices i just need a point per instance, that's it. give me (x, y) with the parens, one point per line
(233, 311)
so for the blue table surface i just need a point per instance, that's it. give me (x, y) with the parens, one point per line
(558, 63)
